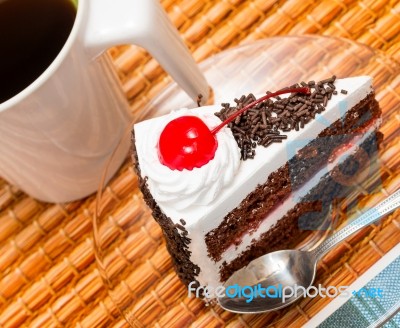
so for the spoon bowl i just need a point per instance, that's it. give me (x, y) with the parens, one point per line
(277, 279)
(274, 276)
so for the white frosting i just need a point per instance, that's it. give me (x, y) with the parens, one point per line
(198, 187)
(203, 218)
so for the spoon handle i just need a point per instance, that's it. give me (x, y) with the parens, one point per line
(387, 206)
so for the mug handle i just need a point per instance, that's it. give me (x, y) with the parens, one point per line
(144, 23)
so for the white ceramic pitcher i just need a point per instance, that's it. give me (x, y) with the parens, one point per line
(57, 134)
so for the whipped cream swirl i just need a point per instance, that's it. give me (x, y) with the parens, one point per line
(186, 188)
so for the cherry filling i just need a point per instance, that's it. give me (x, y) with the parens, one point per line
(187, 142)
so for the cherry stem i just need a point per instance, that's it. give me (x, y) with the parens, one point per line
(255, 102)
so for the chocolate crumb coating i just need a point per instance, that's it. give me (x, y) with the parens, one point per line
(175, 234)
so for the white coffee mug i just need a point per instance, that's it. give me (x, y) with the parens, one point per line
(57, 134)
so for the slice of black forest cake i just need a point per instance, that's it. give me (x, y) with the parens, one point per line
(274, 171)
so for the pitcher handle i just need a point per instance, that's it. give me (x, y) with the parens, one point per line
(145, 24)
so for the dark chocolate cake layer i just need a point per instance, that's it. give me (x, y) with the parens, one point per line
(257, 205)
(309, 212)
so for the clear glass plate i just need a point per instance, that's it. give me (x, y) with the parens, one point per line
(129, 246)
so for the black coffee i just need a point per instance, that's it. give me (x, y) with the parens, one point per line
(32, 33)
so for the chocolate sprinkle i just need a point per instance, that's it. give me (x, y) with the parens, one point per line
(199, 98)
(279, 115)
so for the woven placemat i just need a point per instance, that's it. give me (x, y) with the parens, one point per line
(49, 276)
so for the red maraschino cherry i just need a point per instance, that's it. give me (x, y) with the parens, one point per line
(187, 142)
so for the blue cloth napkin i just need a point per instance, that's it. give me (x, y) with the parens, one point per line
(366, 307)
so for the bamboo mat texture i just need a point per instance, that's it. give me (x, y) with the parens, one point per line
(49, 276)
